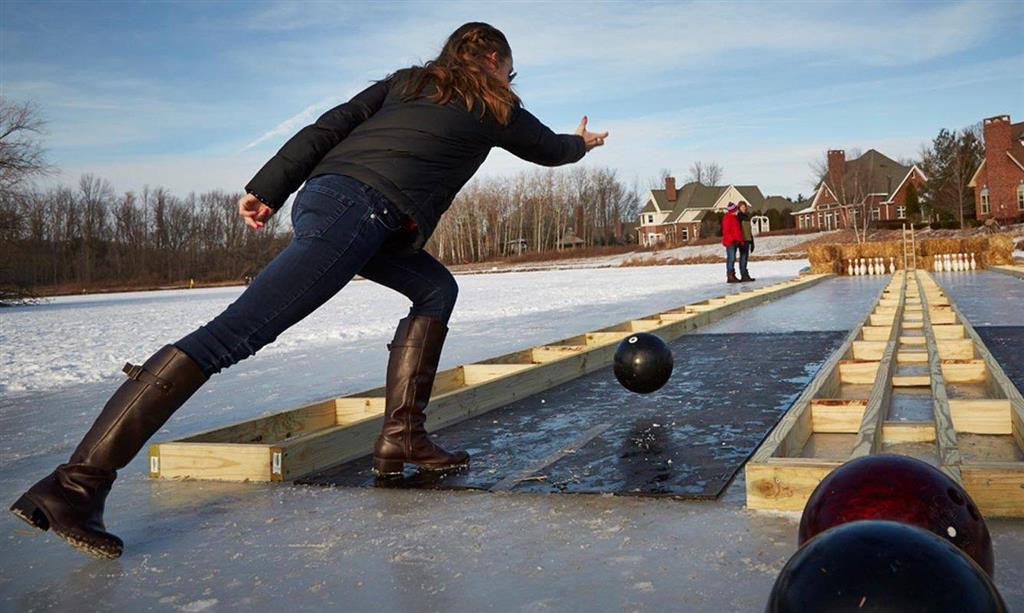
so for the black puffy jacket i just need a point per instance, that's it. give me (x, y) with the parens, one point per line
(417, 153)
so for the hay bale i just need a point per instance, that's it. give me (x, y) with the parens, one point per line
(1000, 250)
(939, 246)
(975, 244)
(822, 254)
(849, 251)
(829, 266)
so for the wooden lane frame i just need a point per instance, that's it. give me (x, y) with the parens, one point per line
(996, 486)
(775, 478)
(294, 443)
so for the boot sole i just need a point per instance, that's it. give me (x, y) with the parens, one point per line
(396, 468)
(35, 516)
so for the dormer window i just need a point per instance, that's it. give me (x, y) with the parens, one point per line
(985, 209)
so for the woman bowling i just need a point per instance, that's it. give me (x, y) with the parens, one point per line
(379, 172)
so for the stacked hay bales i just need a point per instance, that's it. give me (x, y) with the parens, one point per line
(999, 250)
(990, 250)
(824, 259)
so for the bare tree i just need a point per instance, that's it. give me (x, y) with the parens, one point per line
(21, 153)
(705, 173)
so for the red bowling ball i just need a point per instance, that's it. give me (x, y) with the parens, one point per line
(902, 489)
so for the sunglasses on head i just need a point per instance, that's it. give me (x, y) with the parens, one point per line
(511, 76)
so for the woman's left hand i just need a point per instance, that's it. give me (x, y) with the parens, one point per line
(591, 139)
(253, 211)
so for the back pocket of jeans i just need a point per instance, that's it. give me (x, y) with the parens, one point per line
(315, 210)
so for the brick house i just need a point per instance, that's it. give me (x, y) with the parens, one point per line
(673, 215)
(999, 181)
(872, 184)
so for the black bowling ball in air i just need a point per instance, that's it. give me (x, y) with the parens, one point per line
(643, 363)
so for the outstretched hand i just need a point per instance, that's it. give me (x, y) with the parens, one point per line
(253, 211)
(592, 139)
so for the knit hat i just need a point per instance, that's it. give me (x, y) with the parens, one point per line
(732, 207)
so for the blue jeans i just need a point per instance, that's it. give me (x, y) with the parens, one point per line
(341, 228)
(730, 259)
(744, 254)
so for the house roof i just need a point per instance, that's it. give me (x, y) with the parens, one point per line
(692, 215)
(871, 173)
(752, 194)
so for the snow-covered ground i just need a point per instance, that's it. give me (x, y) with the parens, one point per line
(86, 339)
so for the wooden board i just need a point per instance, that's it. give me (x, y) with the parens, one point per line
(298, 441)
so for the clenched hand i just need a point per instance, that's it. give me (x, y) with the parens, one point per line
(253, 211)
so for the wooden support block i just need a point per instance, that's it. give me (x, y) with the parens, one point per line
(876, 333)
(912, 340)
(908, 432)
(956, 349)
(220, 461)
(837, 415)
(911, 381)
(949, 331)
(985, 416)
(942, 317)
(881, 320)
(350, 410)
(644, 325)
(603, 338)
(858, 372)
(550, 353)
(912, 357)
(964, 371)
(997, 487)
(264, 430)
(475, 374)
(868, 350)
(913, 325)
(783, 487)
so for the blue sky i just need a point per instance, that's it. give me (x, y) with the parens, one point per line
(198, 95)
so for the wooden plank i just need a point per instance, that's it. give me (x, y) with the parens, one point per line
(997, 488)
(946, 332)
(908, 432)
(868, 350)
(1014, 271)
(876, 333)
(550, 353)
(837, 415)
(986, 416)
(858, 372)
(912, 357)
(784, 488)
(964, 371)
(272, 428)
(220, 461)
(956, 349)
(911, 381)
(912, 340)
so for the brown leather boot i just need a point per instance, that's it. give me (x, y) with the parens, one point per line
(730, 277)
(415, 352)
(70, 499)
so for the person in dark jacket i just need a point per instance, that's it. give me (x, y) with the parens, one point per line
(732, 238)
(379, 171)
(743, 216)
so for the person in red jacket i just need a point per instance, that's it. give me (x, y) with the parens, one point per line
(732, 238)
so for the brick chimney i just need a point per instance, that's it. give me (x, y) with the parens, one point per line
(997, 135)
(670, 189)
(836, 167)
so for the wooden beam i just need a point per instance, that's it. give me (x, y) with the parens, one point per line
(985, 416)
(837, 415)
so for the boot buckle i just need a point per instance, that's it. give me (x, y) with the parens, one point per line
(140, 374)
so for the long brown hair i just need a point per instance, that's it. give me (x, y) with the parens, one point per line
(462, 70)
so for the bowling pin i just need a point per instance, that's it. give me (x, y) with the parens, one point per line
(892, 264)
(937, 264)
(860, 266)
(871, 266)
(959, 263)
(948, 263)
(973, 264)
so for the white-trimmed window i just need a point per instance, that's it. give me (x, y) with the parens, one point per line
(650, 218)
(901, 212)
(985, 208)
(875, 213)
(1020, 197)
